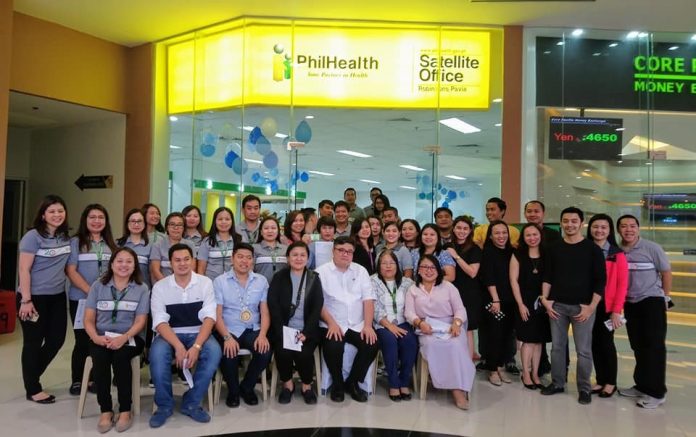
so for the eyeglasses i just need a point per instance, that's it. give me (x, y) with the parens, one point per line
(175, 226)
(96, 217)
(429, 268)
(388, 264)
(345, 251)
(136, 222)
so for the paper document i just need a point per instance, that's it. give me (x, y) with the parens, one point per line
(440, 329)
(291, 339)
(323, 252)
(187, 373)
(131, 341)
(80, 314)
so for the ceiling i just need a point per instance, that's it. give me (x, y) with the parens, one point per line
(134, 22)
(34, 112)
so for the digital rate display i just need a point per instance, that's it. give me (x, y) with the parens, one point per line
(597, 139)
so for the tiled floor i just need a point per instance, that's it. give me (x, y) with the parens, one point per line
(495, 411)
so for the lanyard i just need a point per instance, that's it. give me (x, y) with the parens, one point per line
(300, 290)
(224, 253)
(392, 294)
(99, 250)
(251, 236)
(274, 254)
(117, 299)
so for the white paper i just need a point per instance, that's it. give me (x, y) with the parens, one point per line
(610, 326)
(131, 341)
(290, 341)
(187, 373)
(440, 329)
(80, 314)
(323, 252)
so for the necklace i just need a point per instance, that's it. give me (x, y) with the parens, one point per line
(535, 265)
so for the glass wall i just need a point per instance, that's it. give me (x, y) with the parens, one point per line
(296, 111)
(609, 129)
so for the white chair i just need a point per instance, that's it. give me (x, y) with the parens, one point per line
(423, 373)
(218, 379)
(414, 374)
(274, 372)
(135, 369)
(349, 353)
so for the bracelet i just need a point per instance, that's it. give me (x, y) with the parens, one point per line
(24, 302)
(227, 337)
(495, 301)
(417, 324)
(197, 346)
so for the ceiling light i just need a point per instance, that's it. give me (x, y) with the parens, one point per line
(253, 161)
(620, 129)
(648, 163)
(642, 34)
(632, 34)
(309, 117)
(578, 177)
(673, 48)
(173, 118)
(247, 128)
(455, 177)
(560, 43)
(281, 136)
(498, 124)
(614, 44)
(322, 173)
(480, 184)
(356, 154)
(693, 38)
(577, 32)
(498, 100)
(370, 181)
(459, 125)
(619, 162)
(172, 146)
(547, 52)
(411, 167)
(588, 170)
(596, 54)
(209, 184)
(406, 187)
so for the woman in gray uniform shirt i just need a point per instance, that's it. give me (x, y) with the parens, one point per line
(135, 237)
(153, 220)
(269, 254)
(43, 254)
(90, 251)
(193, 226)
(159, 258)
(215, 254)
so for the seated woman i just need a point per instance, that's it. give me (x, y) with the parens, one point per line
(295, 299)
(434, 301)
(115, 317)
(397, 340)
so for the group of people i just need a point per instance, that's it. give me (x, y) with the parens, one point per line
(178, 294)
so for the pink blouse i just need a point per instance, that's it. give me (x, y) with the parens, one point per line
(442, 302)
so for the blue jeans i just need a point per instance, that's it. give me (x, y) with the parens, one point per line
(161, 355)
(399, 355)
(259, 362)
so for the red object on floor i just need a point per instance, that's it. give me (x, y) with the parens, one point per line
(8, 311)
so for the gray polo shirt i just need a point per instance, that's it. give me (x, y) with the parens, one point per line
(645, 262)
(268, 260)
(218, 258)
(248, 235)
(133, 302)
(344, 233)
(196, 238)
(50, 257)
(403, 255)
(90, 265)
(156, 236)
(143, 251)
(160, 252)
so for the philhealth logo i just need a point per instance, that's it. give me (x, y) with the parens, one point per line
(282, 64)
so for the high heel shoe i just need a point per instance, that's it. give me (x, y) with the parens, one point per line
(531, 386)
(607, 394)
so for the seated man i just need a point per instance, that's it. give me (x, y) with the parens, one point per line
(183, 315)
(347, 318)
(243, 322)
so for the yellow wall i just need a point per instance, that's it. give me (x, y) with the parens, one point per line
(5, 53)
(53, 61)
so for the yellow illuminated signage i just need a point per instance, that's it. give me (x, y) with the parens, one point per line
(331, 66)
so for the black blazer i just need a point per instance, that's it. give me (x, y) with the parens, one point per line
(279, 301)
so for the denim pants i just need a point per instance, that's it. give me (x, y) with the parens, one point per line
(582, 336)
(399, 355)
(259, 361)
(161, 355)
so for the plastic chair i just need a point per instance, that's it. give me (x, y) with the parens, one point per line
(414, 374)
(423, 373)
(135, 369)
(317, 370)
(349, 352)
(218, 379)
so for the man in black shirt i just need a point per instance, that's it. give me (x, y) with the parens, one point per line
(574, 280)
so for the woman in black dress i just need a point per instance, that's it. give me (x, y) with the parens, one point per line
(532, 327)
(361, 234)
(467, 256)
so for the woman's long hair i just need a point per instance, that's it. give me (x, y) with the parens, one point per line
(83, 235)
(39, 222)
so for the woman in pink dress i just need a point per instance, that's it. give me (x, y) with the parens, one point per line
(435, 309)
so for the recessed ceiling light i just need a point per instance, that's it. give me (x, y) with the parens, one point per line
(588, 170)
(498, 100)
(596, 54)
(353, 153)
(370, 181)
(411, 167)
(309, 117)
(459, 125)
(323, 173)
(172, 146)
(253, 161)
(620, 129)
(638, 180)
(578, 177)
(173, 118)
(648, 163)
(455, 177)
(560, 43)
(281, 136)
(619, 162)
(406, 187)
(577, 32)
(247, 128)
(547, 52)
(498, 124)
(614, 44)
(632, 34)
(480, 184)
(560, 186)
(673, 48)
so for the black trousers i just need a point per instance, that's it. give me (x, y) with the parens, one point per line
(333, 355)
(603, 348)
(303, 361)
(498, 333)
(646, 325)
(42, 339)
(103, 360)
(81, 348)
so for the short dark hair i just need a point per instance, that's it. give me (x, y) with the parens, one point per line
(249, 198)
(344, 240)
(199, 228)
(611, 238)
(349, 189)
(389, 253)
(263, 221)
(498, 201)
(538, 202)
(126, 233)
(343, 204)
(391, 208)
(300, 243)
(624, 217)
(438, 267)
(243, 246)
(573, 210)
(326, 202)
(489, 232)
(136, 276)
(443, 209)
(172, 215)
(307, 212)
(326, 221)
(376, 188)
(179, 246)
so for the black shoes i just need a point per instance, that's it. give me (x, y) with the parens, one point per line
(406, 396)
(75, 388)
(607, 394)
(309, 397)
(584, 398)
(337, 394)
(249, 397)
(49, 400)
(551, 390)
(512, 368)
(355, 392)
(394, 398)
(232, 400)
(285, 395)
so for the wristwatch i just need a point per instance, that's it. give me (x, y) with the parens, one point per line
(458, 322)
(226, 337)
(197, 346)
